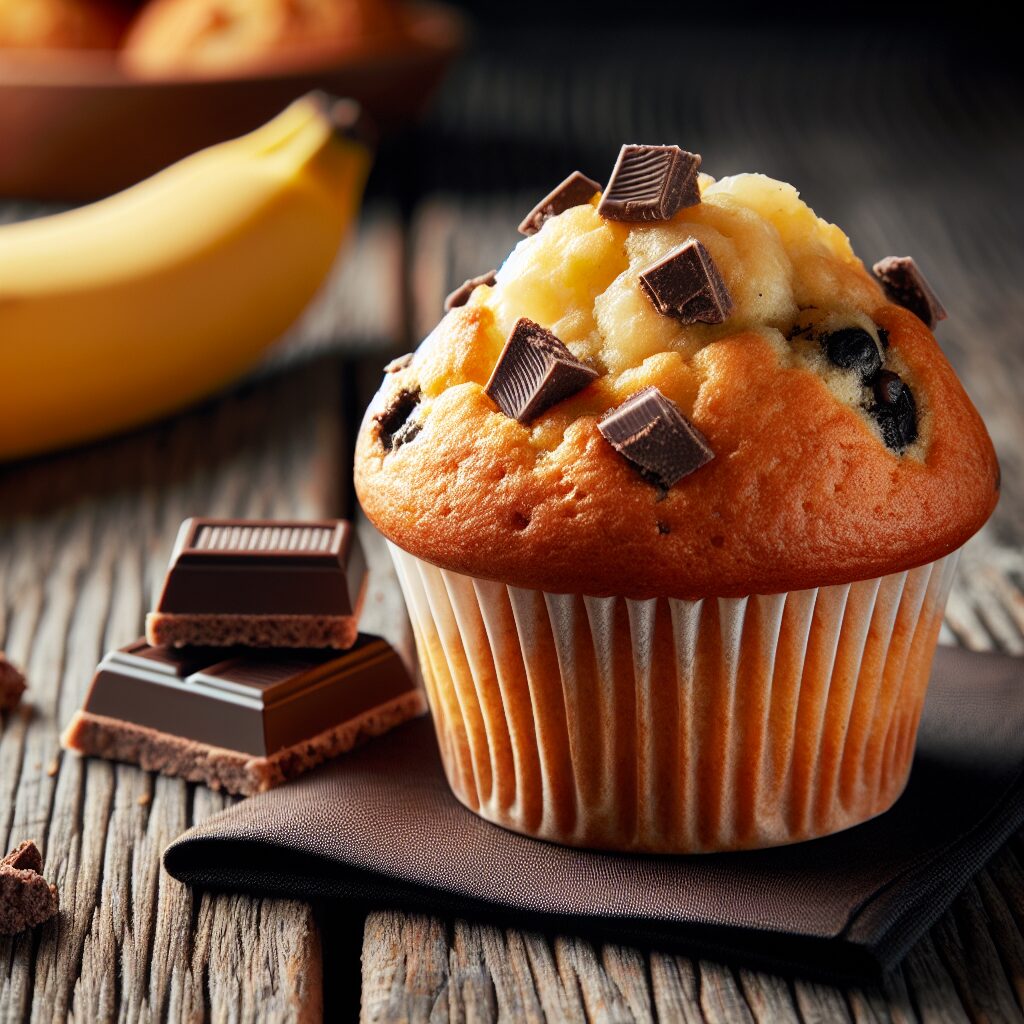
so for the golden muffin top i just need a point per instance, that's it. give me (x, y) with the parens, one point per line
(678, 387)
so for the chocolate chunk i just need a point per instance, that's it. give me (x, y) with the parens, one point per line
(461, 295)
(894, 410)
(394, 426)
(906, 286)
(686, 285)
(12, 685)
(240, 720)
(26, 898)
(576, 190)
(883, 337)
(852, 348)
(651, 432)
(398, 363)
(651, 183)
(263, 583)
(534, 372)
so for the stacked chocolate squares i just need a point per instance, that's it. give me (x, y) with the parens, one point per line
(252, 669)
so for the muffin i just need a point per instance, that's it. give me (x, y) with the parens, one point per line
(61, 24)
(675, 498)
(230, 37)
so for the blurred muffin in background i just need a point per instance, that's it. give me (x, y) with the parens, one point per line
(62, 24)
(210, 37)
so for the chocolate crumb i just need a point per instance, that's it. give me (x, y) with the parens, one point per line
(26, 898)
(12, 684)
(461, 295)
(905, 285)
(394, 426)
(576, 190)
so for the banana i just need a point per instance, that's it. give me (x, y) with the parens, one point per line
(119, 312)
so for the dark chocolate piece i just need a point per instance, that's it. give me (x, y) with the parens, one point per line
(261, 582)
(461, 295)
(894, 410)
(852, 348)
(651, 183)
(650, 431)
(26, 898)
(12, 685)
(906, 286)
(395, 426)
(686, 285)
(534, 372)
(576, 190)
(240, 720)
(398, 363)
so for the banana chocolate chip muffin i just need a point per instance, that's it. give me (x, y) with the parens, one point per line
(675, 498)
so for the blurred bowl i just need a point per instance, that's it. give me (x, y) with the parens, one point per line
(74, 125)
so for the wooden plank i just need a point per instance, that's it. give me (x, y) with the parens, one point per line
(84, 539)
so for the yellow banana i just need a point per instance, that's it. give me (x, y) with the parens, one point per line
(119, 312)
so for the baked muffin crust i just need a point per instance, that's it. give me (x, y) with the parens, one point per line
(803, 490)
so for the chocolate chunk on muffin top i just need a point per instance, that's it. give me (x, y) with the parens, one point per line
(839, 443)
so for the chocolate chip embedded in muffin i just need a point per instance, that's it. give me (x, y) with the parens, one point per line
(651, 183)
(894, 410)
(651, 433)
(576, 190)
(394, 425)
(906, 286)
(534, 372)
(852, 348)
(686, 285)
(461, 295)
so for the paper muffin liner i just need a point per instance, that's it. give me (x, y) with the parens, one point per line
(676, 726)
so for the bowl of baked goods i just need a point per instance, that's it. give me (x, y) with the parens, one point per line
(97, 94)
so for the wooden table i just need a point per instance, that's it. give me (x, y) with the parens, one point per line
(84, 537)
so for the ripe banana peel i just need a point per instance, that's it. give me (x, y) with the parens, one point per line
(119, 312)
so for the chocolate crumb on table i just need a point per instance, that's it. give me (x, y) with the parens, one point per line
(26, 898)
(262, 583)
(242, 721)
(12, 684)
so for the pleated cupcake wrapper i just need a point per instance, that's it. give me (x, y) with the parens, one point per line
(672, 725)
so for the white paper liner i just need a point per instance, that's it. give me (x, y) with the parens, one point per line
(676, 726)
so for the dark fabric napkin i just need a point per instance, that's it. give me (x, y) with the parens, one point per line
(379, 826)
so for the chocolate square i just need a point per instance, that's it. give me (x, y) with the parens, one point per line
(651, 183)
(687, 285)
(534, 372)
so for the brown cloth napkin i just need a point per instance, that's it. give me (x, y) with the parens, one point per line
(380, 827)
